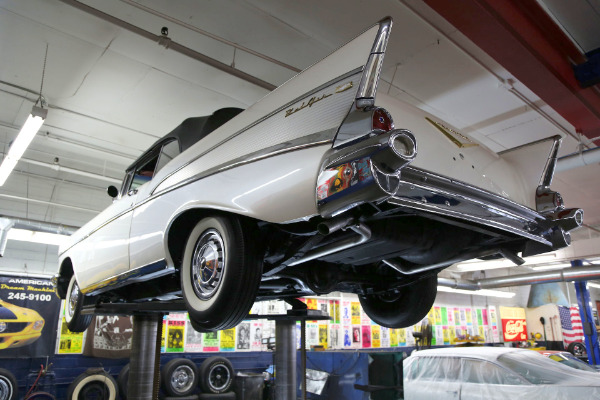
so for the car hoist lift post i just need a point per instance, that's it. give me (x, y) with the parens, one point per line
(147, 332)
(587, 319)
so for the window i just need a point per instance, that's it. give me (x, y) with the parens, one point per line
(169, 151)
(144, 173)
(484, 372)
(151, 163)
(434, 369)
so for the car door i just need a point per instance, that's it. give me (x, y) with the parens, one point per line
(151, 217)
(104, 253)
(482, 379)
(432, 378)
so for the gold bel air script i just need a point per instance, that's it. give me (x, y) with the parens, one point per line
(316, 99)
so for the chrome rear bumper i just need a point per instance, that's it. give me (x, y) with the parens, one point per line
(415, 189)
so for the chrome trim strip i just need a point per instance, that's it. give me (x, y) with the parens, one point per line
(258, 121)
(548, 173)
(365, 96)
(314, 140)
(157, 268)
(461, 200)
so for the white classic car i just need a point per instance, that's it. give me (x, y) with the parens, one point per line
(313, 189)
(493, 373)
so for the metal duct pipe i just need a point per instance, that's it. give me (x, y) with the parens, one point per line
(7, 223)
(163, 40)
(577, 160)
(41, 226)
(573, 274)
(49, 203)
(60, 168)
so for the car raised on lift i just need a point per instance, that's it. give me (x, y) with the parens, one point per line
(316, 188)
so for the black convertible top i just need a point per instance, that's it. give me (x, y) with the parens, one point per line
(192, 130)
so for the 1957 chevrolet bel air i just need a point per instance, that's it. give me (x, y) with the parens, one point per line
(315, 188)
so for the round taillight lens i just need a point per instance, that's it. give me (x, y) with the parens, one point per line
(382, 120)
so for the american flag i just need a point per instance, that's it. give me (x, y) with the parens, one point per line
(570, 320)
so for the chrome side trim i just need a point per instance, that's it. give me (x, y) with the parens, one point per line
(258, 121)
(548, 174)
(365, 97)
(316, 139)
(149, 271)
(547, 200)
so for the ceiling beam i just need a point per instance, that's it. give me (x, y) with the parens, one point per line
(168, 43)
(524, 39)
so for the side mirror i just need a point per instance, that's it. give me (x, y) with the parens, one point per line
(112, 191)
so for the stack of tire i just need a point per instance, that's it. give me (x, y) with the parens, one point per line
(180, 378)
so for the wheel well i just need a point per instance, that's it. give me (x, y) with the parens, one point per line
(64, 276)
(179, 231)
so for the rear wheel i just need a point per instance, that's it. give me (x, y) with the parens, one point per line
(406, 308)
(73, 305)
(220, 273)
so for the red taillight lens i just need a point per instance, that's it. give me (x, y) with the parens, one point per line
(382, 120)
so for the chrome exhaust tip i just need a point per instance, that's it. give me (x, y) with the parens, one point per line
(401, 150)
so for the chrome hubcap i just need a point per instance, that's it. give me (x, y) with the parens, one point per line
(182, 378)
(73, 299)
(207, 264)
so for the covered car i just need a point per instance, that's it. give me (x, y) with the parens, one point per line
(568, 359)
(493, 373)
(318, 187)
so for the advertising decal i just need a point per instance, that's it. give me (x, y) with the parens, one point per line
(29, 311)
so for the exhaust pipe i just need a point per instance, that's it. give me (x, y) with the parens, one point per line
(328, 227)
(403, 146)
(568, 219)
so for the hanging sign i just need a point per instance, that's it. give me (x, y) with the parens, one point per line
(514, 323)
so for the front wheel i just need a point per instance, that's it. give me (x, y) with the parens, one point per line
(74, 301)
(406, 308)
(220, 273)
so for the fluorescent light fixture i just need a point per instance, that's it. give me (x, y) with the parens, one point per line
(482, 292)
(478, 265)
(551, 266)
(594, 285)
(25, 235)
(32, 126)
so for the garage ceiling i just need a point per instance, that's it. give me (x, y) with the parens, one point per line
(111, 92)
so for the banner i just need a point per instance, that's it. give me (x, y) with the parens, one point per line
(69, 342)
(228, 340)
(514, 323)
(243, 336)
(175, 336)
(29, 311)
(108, 336)
(193, 339)
(210, 341)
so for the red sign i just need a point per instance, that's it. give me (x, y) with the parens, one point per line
(514, 329)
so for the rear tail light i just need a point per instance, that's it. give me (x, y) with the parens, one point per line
(382, 120)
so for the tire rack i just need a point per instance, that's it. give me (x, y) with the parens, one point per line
(145, 345)
(285, 346)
